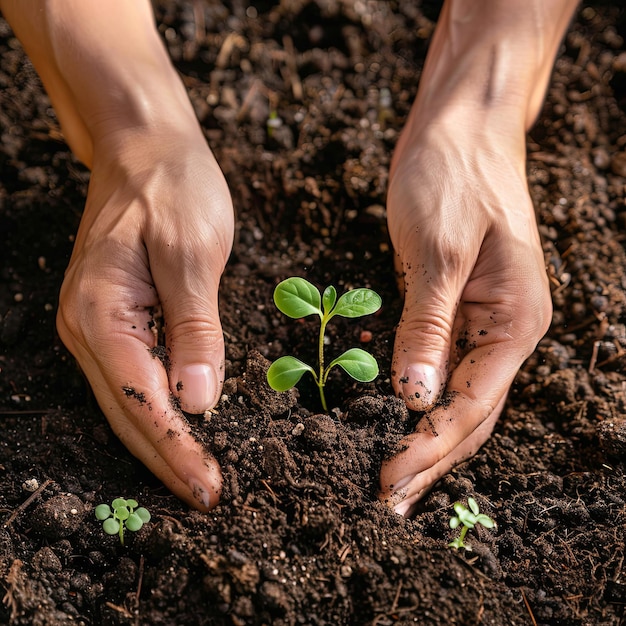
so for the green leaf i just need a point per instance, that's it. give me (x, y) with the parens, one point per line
(144, 514)
(297, 298)
(485, 520)
(473, 505)
(131, 504)
(329, 298)
(454, 522)
(134, 522)
(111, 526)
(359, 364)
(465, 515)
(122, 513)
(357, 303)
(118, 502)
(284, 373)
(103, 511)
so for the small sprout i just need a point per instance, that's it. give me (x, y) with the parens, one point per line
(469, 518)
(297, 297)
(273, 122)
(123, 513)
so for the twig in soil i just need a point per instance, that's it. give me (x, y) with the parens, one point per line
(120, 609)
(27, 502)
(594, 356)
(199, 21)
(618, 569)
(305, 484)
(584, 324)
(393, 611)
(394, 604)
(248, 100)
(138, 592)
(266, 484)
(530, 611)
(344, 552)
(231, 42)
(468, 564)
(290, 73)
(13, 579)
(481, 610)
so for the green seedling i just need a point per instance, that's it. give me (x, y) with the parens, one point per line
(468, 518)
(297, 297)
(122, 514)
(273, 122)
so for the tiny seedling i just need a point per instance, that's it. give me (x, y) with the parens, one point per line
(297, 297)
(468, 518)
(122, 514)
(273, 122)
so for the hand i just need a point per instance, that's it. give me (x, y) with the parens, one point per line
(155, 236)
(477, 299)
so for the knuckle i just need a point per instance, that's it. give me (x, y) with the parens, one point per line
(197, 331)
(432, 328)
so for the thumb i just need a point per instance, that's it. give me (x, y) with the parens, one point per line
(196, 352)
(188, 291)
(422, 350)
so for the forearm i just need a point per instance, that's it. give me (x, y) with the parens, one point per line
(103, 65)
(495, 56)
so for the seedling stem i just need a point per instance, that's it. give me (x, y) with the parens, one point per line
(297, 298)
(468, 517)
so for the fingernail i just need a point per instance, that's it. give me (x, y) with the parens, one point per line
(199, 493)
(402, 508)
(397, 493)
(198, 390)
(396, 501)
(399, 500)
(403, 482)
(421, 384)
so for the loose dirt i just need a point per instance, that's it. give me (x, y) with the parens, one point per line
(300, 537)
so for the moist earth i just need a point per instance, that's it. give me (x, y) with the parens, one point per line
(302, 103)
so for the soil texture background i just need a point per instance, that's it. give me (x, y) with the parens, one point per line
(300, 537)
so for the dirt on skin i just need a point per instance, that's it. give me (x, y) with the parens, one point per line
(300, 537)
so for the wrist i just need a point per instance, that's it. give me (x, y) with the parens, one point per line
(154, 106)
(494, 57)
(117, 72)
(162, 148)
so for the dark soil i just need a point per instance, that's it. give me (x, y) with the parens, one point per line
(300, 537)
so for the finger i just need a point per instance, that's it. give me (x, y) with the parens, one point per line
(186, 269)
(495, 347)
(132, 390)
(113, 343)
(159, 436)
(162, 440)
(421, 358)
(403, 495)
